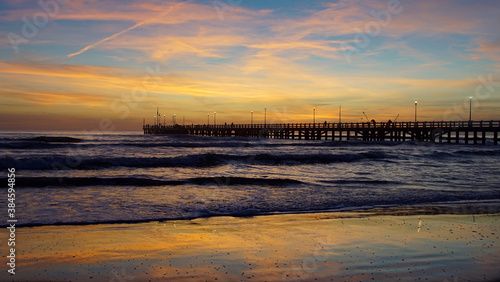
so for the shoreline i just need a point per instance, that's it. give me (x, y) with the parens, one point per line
(458, 207)
(390, 243)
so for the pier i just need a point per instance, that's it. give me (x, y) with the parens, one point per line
(457, 132)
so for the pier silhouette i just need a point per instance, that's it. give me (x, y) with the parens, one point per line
(458, 132)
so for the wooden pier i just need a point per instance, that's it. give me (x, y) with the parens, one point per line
(458, 132)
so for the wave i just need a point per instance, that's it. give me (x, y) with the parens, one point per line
(488, 152)
(278, 182)
(55, 139)
(26, 144)
(180, 141)
(361, 182)
(432, 207)
(199, 160)
(34, 145)
(461, 153)
(41, 182)
(40, 142)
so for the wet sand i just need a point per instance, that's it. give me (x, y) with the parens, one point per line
(317, 246)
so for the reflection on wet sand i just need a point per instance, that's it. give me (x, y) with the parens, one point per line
(321, 246)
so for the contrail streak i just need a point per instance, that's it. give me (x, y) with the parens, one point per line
(116, 35)
(107, 38)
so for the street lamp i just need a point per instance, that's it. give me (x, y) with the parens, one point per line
(340, 113)
(164, 120)
(314, 115)
(215, 118)
(415, 111)
(154, 119)
(251, 118)
(470, 108)
(208, 119)
(265, 116)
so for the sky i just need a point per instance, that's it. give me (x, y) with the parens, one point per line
(96, 65)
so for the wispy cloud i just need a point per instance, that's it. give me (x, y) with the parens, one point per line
(120, 33)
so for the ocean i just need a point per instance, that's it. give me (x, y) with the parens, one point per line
(130, 177)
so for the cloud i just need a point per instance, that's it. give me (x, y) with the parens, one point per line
(148, 21)
(51, 69)
(251, 57)
(57, 98)
(487, 49)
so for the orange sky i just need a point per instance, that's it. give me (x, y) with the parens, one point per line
(71, 65)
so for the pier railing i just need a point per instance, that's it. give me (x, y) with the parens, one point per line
(346, 125)
(458, 132)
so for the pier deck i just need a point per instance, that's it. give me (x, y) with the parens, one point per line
(459, 132)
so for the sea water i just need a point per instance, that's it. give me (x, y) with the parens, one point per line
(131, 177)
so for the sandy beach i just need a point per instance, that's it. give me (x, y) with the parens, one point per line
(347, 246)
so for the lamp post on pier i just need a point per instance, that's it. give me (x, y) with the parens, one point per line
(164, 124)
(215, 119)
(314, 115)
(340, 114)
(265, 116)
(251, 118)
(470, 108)
(208, 119)
(415, 111)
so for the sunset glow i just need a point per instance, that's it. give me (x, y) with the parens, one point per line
(69, 65)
